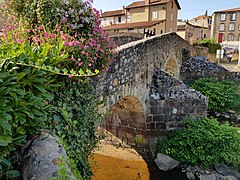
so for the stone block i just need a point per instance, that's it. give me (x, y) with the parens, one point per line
(158, 118)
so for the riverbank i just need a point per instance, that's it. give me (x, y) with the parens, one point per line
(114, 160)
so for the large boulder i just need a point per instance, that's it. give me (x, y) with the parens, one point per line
(227, 171)
(165, 162)
(43, 155)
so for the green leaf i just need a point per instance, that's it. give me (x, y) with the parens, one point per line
(5, 125)
(40, 88)
(21, 130)
(73, 72)
(65, 71)
(5, 163)
(5, 140)
(12, 174)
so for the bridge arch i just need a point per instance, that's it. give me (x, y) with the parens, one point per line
(125, 117)
(171, 67)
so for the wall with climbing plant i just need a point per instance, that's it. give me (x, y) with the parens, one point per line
(49, 51)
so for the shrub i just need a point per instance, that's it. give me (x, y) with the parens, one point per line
(211, 44)
(58, 44)
(222, 94)
(203, 142)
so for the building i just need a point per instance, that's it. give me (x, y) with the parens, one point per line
(226, 27)
(191, 32)
(159, 16)
(203, 20)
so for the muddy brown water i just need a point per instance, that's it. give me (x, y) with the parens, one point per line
(111, 168)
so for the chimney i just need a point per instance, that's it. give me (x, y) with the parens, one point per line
(100, 12)
(123, 7)
(147, 2)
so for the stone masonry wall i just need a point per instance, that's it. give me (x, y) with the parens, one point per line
(200, 67)
(131, 72)
(121, 38)
(170, 101)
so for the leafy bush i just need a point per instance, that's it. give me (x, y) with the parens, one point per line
(73, 120)
(203, 142)
(222, 94)
(211, 44)
(47, 51)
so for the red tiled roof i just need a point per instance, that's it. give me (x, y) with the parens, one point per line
(113, 13)
(132, 25)
(229, 10)
(151, 2)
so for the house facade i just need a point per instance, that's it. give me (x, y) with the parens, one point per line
(226, 27)
(159, 16)
(192, 32)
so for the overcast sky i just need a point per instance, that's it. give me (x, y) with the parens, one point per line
(189, 8)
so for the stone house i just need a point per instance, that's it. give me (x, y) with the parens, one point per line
(159, 16)
(226, 27)
(191, 32)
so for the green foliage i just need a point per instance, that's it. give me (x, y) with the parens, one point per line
(211, 44)
(23, 109)
(203, 142)
(222, 94)
(73, 120)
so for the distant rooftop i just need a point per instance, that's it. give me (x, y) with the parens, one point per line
(113, 13)
(151, 2)
(132, 25)
(228, 10)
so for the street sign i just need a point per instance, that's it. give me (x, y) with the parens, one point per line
(220, 53)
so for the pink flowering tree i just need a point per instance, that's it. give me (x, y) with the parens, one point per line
(74, 23)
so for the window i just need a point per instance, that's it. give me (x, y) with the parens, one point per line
(204, 36)
(231, 27)
(161, 31)
(104, 19)
(128, 18)
(155, 15)
(230, 37)
(119, 19)
(223, 17)
(140, 30)
(232, 16)
(130, 30)
(171, 17)
(222, 27)
(172, 4)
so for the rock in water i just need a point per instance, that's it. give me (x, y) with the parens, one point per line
(165, 162)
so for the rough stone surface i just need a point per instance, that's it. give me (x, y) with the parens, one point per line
(147, 70)
(121, 38)
(200, 67)
(227, 171)
(165, 162)
(208, 177)
(42, 158)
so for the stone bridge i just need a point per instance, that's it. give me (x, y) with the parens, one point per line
(142, 90)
